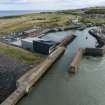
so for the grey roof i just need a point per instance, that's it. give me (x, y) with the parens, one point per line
(48, 42)
(30, 39)
(30, 31)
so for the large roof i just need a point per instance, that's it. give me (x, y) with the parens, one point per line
(30, 39)
(30, 31)
(46, 41)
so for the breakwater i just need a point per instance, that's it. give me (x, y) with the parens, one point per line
(59, 87)
(76, 61)
(95, 52)
(25, 83)
(100, 38)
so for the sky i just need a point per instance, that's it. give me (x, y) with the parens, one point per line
(48, 4)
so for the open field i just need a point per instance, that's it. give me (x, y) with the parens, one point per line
(92, 21)
(24, 22)
(20, 54)
(45, 20)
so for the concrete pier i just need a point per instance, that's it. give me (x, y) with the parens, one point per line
(30, 78)
(26, 75)
(25, 85)
(103, 48)
(64, 42)
(85, 52)
(15, 96)
(76, 61)
(67, 40)
(94, 52)
(35, 76)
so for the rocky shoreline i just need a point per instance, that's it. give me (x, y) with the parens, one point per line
(99, 37)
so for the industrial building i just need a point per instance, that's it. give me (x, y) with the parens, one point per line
(39, 45)
(43, 46)
(27, 43)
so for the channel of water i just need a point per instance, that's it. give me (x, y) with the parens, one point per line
(58, 87)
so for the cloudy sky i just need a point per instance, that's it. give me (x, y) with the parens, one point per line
(48, 4)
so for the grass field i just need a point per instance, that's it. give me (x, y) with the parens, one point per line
(20, 54)
(24, 22)
(28, 21)
(93, 21)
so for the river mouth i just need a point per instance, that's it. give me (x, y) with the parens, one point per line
(58, 87)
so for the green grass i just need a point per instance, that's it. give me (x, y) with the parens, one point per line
(93, 21)
(20, 54)
(24, 22)
(95, 10)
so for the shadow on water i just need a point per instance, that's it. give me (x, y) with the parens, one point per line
(57, 87)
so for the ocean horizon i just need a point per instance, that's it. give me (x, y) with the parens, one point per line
(20, 12)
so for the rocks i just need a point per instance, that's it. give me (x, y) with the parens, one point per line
(100, 38)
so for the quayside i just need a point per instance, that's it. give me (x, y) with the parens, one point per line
(58, 87)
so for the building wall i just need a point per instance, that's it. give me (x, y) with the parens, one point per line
(27, 45)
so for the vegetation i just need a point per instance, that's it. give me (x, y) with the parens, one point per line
(20, 54)
(71, 12)
(92, 21)
(95, 11)
(43, 20)
(24, 22)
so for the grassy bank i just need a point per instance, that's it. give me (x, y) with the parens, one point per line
(24, 22)
(95, 11)
(92, 21)
(20, 54)
(45, 20)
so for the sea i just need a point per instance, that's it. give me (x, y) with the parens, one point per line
(19, 12)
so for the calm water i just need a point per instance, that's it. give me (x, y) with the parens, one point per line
(57, 87)
(20, 12)
(13, 13)
(58, 36)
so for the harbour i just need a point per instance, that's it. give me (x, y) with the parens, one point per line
(59, 87)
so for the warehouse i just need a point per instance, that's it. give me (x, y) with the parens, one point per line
(39, 45)
(27, 43)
